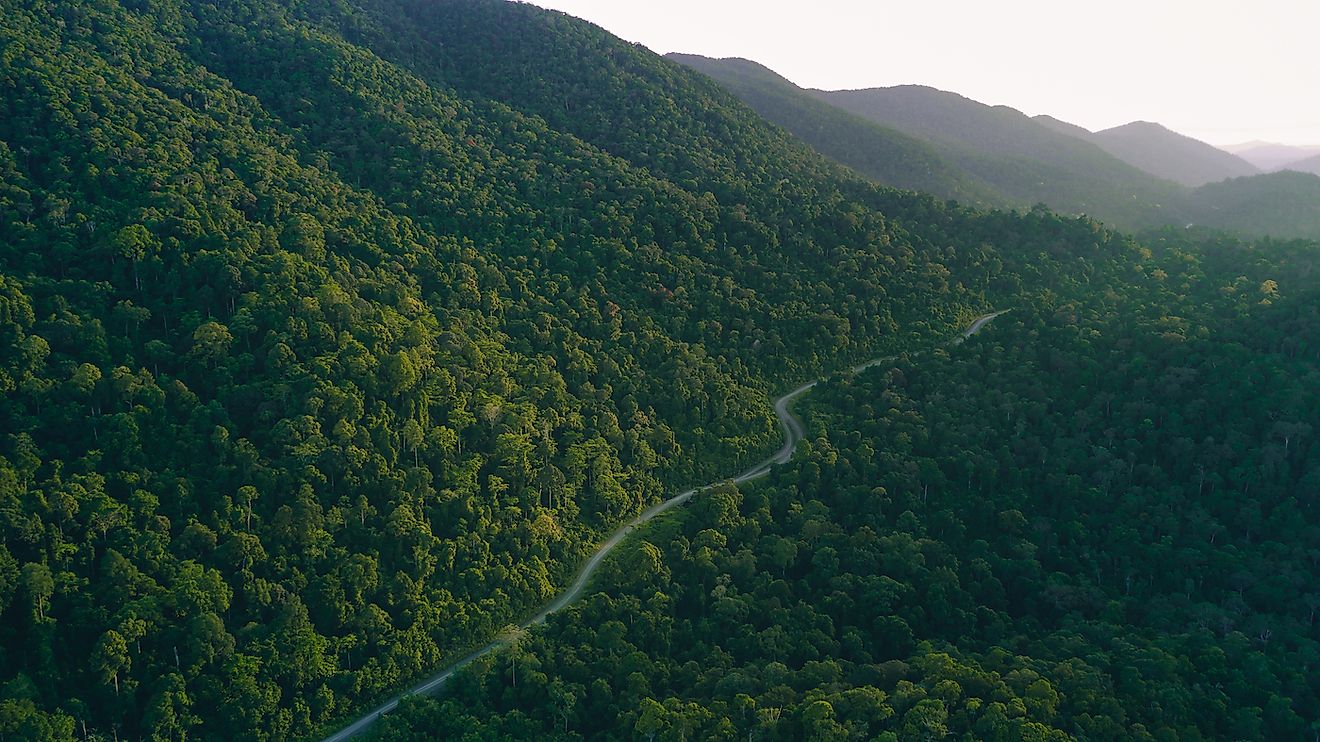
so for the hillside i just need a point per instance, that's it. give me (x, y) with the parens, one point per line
(1027, 161)
(1169, 155)
(878, 152)
(332, 339)
(334, 335)
(1308, 165)
(1282, 204)
(1029, 535)
(956, 148)
(1063, 127)
(1160, 152)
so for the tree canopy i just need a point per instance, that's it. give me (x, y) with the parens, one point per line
(333, 335)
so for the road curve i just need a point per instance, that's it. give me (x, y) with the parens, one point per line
(793, 432)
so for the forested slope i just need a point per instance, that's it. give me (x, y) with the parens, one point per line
(1278, 204)
(324, 356)
(1021, 158)
(1095, 520)
(883, 154)
(931, 140)
(333, 334)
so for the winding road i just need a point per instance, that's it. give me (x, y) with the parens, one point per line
(793, 432)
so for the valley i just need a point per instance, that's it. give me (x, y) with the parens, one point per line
(338, 339)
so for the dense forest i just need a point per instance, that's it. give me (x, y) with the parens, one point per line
(334, 334)
(317, 371)
(1095, 520)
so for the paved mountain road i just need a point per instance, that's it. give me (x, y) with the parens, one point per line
(793, 432)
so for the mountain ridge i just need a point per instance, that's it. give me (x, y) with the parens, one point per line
(1307, 165)
(1115, 176)
(1271, 156)
(881, 153)
(1170, 155)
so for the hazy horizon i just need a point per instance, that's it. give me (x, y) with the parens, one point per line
(1212, 70)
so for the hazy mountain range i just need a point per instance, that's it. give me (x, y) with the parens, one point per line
(1272, 156)
(1161, 152)
(1139, 175)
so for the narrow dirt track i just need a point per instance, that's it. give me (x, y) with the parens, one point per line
(793, 432)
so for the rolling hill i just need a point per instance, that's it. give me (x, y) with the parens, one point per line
(1270, 156)
(1063, 127)
(1170, 155)
(997, 156)
(878, 152)
(1282, 204)
(333, 335)
(1000, 150)
(1158, 151)
(1308, 165)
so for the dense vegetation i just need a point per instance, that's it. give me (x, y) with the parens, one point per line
(317, 369)
(1278, 204)
(333, 334)
(1097, 520)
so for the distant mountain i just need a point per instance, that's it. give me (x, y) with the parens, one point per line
(1270, 156)
(1160, 152)
(1026, 160)
(1309, 165)
(1170, 155)
(879, 152)
(1282, 204)
(1135, 177)
(943, 116)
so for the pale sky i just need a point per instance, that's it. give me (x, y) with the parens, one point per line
(1224, 71)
